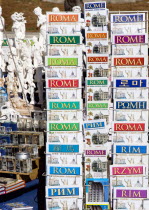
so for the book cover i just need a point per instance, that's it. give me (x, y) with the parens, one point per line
(14, 185)
(17, 206)
(2, 192)
(14, 189)
(2, 188)
(6, 182)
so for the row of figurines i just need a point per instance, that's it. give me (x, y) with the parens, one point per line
(10, 150)
(14, 165)
(27, 80)
(22, 138)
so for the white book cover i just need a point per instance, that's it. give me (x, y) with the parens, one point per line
(63, 181)
(64, 148)
(130, 93)
(61, 204)
(129, 60)
(97, 43)
(65, 50)
(98, 138)
(67, 126)
(65, 138)
(129, 71)
(63, 94)
(63, 159)
(130, 126)
(66, 83)
(130, 138)
(65, 170)
(64, 23)
(130, 204)
(97, 70)
(69, 191)
(96, 167)
(63, 72)
(65, 116)
(74, 61)
(96, 16)
(131, 105)
(130, 23)
(65, 105)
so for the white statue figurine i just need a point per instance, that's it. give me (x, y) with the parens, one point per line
(23, 48)
(18, 25)
(41, 22)
(77, 9)
(2, 25)
(37, 52)
(9, 112)
(20, 74)
(10, 86)
(28, 68)
(55, 9)
(29, 72)
(12, 48)
(12, 58)
(19, 47)
(2, 61)
(31, 92)
(38, 79)
(29, 89)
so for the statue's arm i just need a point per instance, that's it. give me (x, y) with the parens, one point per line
(41, 21)
(2, 23)
(38, 23)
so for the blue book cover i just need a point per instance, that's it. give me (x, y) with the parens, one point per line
(16, 206)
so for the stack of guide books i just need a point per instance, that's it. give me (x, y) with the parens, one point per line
(17, 206)
(8, 185)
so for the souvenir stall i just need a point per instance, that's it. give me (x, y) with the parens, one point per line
(64, 146)
(22, 119)
(129, 172)
(97, 104)
(87, 94)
